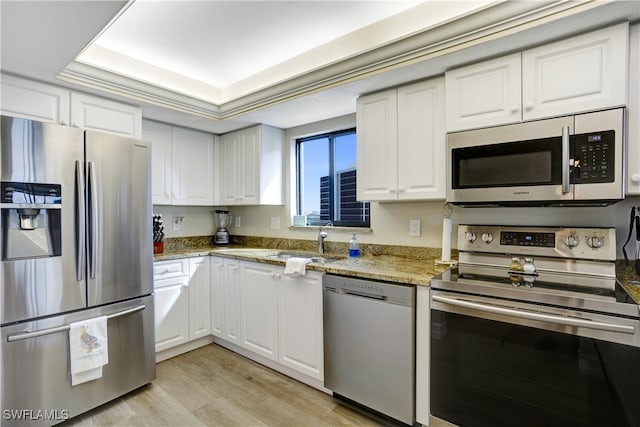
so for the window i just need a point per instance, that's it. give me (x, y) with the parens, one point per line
(327, 180)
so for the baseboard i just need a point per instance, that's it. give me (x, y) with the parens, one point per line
(183, 348)
(312, 382)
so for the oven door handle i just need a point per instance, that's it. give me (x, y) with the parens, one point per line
(568, 321)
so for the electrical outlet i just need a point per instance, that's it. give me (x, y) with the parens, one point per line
(275, 222)
(177, 222)
(414, 227)
(238, 222)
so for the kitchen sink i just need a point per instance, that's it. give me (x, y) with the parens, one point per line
(318, 259)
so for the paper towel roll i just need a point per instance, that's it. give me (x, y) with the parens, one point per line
(446, 239)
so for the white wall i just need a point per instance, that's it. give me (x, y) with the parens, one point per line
(390, 221)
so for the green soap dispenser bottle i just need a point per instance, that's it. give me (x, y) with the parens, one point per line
(354, 246)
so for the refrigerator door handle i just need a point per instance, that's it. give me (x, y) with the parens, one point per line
(93, 219)
(33, 334)
(80, 223)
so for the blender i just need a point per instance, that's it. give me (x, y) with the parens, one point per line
(223, 220)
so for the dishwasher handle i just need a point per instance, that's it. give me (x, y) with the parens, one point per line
(343, 291)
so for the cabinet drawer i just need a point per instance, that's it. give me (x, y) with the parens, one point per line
(169, 269)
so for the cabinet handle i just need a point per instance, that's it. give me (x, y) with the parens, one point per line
(635, 178)
(528, 107)
(63, 123)
(392, 189)
(400, 189)
(566, 180)
(515, 109)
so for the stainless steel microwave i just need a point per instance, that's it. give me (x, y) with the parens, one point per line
(571, 160)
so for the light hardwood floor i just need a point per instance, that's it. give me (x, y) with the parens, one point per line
(216, 387)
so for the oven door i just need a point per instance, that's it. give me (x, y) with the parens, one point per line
(514, 164)
(503, 363)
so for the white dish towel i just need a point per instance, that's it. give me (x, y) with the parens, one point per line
(296, 267)
(88, 349)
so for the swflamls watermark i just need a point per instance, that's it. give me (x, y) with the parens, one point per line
(35, 414)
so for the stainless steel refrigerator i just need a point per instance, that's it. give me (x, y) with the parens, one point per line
(75, 235)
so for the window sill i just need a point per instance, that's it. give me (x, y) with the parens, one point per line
(359, 230)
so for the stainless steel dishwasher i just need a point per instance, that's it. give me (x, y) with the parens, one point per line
(369, 344)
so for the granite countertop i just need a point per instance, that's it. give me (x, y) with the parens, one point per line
(629, 279)
(389, 268)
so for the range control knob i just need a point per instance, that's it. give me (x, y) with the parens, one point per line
(487, 238)
(595, 242)
(571, 241)
(470, 236)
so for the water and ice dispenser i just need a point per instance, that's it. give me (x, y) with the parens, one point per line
(31, 220)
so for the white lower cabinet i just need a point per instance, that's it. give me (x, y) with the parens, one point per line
(259, 308)
(181, 300)
(171, 307)
(199, 297)
(225, 299)
(256, 307)
(300, 325)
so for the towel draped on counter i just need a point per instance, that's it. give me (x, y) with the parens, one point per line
(296, 267)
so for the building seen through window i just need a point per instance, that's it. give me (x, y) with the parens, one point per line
(327, 180)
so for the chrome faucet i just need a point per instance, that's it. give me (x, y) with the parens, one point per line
(321, 236)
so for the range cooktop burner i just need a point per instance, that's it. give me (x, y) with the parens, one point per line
(614, 301)
(618, 294)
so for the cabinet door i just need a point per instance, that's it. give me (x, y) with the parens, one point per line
(633, 140)
(229, 175)
(171, 308)
(248, 174)
(421, 141)
(484, 94)
(103, 115)
(232, 318)
(579, 74)
(192, 167)
(258, 308)
(35, 101)
(217, 296)
(377, 152)
(159, 136)
(300, 324)
(199, 297)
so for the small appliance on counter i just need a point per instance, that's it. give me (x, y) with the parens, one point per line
(223, 220)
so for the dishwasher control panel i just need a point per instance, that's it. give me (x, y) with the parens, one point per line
(390, 293)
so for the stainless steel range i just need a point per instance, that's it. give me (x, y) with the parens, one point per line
(532, 329)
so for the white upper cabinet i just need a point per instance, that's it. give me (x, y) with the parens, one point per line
(421, 141)
(34, 101)
(484, 94)
(579, 74)
(182, 164)
(633, 140)
(192, 167)
(377, 152)
(159, 136)
(103, 115)
(250, 167)
(401, 143)
(47, 103)
(582, 73)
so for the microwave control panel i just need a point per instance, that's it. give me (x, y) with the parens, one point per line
(593, 157)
